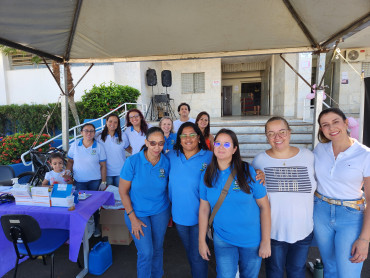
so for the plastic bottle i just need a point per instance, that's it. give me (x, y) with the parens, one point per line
(318, 271)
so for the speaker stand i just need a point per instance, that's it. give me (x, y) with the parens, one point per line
(168, 107)
(151, 109)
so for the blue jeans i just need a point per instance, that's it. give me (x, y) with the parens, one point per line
(150, 246)
(289, 256)
(113, 180)
(228, 256)
(189, 236)
(88, 185)
(336, 228)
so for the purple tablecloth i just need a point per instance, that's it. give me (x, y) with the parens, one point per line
(56, 218)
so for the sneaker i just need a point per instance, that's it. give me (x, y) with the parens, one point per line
(97, 232)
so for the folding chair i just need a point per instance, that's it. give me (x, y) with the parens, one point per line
(29, 240)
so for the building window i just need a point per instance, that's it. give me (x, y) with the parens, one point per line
(192, 83)
(21, 60)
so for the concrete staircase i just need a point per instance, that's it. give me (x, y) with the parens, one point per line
(251, 134)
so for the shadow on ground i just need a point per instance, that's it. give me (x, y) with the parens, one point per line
(124, 262)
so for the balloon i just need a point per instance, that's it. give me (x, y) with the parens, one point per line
(353, 126)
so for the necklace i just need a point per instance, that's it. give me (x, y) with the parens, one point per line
(154, 162)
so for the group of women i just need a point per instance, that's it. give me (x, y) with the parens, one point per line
(305, 193)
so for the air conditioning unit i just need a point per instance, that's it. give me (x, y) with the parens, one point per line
(355, 55)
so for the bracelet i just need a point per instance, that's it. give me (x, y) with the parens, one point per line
(128, 213)
(104, 182)
(360, 238)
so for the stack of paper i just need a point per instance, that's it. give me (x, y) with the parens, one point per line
(41, 196)
(22, 194)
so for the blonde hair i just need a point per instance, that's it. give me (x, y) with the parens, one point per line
(166, 118)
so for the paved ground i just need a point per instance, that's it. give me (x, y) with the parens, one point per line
(124, 262)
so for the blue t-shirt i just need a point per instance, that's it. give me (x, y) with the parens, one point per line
(169, 142)
(237, 222)
(183, 186)
(148, 190)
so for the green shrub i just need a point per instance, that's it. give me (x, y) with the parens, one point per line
(104, 98)
(13, 146)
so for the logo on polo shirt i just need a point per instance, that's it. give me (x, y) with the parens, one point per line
(93, 152)
(161, 173)
(204, 166)
(172, 142)
(236, 186)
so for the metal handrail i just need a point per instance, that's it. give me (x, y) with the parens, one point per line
(76, 136)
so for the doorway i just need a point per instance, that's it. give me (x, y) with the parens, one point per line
(251, 98)
(227, 100)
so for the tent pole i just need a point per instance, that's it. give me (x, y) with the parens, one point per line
(64, 107)
(320, 70)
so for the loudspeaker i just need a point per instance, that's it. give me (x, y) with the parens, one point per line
(166, 78)
(151, 77)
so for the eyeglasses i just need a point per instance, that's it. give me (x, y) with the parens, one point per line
(281, 133)
(134, 116)
(154, 143)
(218, 144)
(191, 135)
(89, 131)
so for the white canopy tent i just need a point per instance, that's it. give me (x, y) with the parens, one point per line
(71, 31)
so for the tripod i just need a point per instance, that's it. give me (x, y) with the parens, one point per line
(151, 109)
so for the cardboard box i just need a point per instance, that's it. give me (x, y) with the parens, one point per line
(41, 196)
(114, 226)
(61, 195)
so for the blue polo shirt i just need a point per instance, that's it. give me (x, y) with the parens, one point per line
(136, 139)
(237, 222)
(86, 161)
(148, 190)
(169, 142)
(115, 151)
(183, 186)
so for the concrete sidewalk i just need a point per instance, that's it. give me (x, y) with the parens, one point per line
(124, 262)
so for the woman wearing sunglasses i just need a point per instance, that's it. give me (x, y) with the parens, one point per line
(188, 160)
(290, 185)
(242, 223)
(136, 128)
(143, 191)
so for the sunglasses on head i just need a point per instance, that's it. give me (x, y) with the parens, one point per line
(154, 143)
(218, 144)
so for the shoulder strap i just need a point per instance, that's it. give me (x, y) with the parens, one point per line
(222, 197)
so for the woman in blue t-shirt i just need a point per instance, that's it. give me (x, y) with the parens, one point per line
(188, 160)
(166, 124)
(242, 225)
(143, 190)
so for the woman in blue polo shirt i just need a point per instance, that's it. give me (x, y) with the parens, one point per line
(188, 160)
(114, 143)
(242, 225)
(87, 159)
(143, 190)
(166, 124)
(136, 128)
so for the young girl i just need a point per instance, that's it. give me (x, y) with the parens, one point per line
(55, 176)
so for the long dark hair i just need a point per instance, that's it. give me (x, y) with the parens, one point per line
(243, 175)
(208, 127)
(143, 124)
(202, 143)
(320, 134)
(150, 131)
(118, 130)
